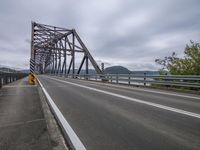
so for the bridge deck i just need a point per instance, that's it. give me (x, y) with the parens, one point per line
(115, 118)
(22, 124)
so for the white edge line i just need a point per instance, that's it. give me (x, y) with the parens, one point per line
(78, 145)
(180, 111)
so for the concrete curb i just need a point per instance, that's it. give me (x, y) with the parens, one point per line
(56, 137)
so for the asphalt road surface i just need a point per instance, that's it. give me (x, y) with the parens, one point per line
(112, 117)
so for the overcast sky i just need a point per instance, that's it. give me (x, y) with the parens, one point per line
(131, 33)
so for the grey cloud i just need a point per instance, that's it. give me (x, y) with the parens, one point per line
(130, 32)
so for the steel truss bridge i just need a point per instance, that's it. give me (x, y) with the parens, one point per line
(99, 115)
(52, 47)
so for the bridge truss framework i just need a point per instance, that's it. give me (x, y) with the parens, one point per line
(52, 47)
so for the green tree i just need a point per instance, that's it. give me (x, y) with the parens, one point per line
(188, 65)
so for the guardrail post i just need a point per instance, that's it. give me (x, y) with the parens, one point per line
(129, 78)
(96, 77)
(0, 82)
(87, 77)
(6, 79)
(144, 79)
(117, 78)
(10, 78)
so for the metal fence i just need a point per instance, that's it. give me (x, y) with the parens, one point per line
(6, 78)
(144, 80)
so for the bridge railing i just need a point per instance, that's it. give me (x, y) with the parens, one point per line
(6, 78)
(144, 80)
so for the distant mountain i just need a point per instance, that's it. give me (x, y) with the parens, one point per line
(116, 70)
(145, 72)
(123, 70)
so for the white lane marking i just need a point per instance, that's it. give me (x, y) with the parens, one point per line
(180, 111)
(172, 94)
(150, 91)
(78, 145)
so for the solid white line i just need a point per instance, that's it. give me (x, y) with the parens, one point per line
(180, 111)
(78, 145)
(171, 94)
(145, 90)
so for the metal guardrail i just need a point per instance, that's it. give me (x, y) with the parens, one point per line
(143, 80)
(6, 78)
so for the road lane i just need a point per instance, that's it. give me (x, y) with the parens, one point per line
(189, 103)
(106, 122)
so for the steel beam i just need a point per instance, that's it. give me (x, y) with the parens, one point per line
(52, 46)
